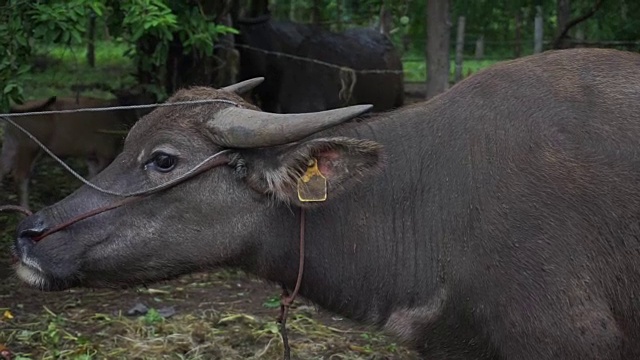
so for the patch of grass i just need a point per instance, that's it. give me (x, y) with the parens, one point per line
(108, 53)
(85, 324)
(58, 68)
(415, 70)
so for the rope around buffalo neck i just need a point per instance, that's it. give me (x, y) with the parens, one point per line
(286, 300)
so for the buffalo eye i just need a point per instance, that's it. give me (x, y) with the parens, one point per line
(240, 168)
(162, 162)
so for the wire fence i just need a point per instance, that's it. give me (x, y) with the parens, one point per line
(320, 62)
(113, 108)
(6, 119)
(347, 75)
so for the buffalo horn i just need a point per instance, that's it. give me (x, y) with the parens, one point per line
(244, 86)
(244, 128)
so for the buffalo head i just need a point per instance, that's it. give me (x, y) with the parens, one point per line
(230, 215)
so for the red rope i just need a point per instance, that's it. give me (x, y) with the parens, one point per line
(88, 214)
(285, 299)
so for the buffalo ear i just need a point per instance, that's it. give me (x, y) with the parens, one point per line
(343, 162)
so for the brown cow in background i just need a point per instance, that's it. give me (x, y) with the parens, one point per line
(83, 134)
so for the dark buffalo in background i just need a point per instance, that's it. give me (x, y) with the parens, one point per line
(276, 36)
(293, 85)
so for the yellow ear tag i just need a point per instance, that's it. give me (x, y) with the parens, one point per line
(312, 186)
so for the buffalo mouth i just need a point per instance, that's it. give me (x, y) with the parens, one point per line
(30, 274)
(35, 277)
(33, 272)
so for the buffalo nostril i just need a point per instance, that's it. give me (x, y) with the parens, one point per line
(23, 245)
(31, 227)
(30, 233)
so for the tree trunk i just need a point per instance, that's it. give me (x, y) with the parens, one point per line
(538, 34)
(292, 11)
(257, 8)
(517, 48)
(385, 18)
(562, 38)
(316, 12)
(237, 9)
(579, 37)
(438, 39)
(147, 75)
(459, 49)
(480, 47)
(339, 12)
(564, 16)
(564, 13)
(91, 40)
(228, 56)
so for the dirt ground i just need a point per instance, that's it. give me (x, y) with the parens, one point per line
(220, 315)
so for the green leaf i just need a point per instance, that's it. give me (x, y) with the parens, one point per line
(97, 8)
(272, 303)
(77, 37)
(9, 88)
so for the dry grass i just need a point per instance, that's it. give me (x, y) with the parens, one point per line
(84, 324)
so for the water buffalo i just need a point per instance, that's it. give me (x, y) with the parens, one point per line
(287, 86)
(274, 36)
(70, 134)
(499, 220)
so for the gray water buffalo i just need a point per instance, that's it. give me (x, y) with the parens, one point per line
(81, 134)
(294, 85)
(499, 220)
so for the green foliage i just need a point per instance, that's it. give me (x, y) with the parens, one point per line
(24, 23)
(416, 70)
(273, 302)
(347, 13)
(151, 27)
(153, 317)
(68, 66)
(199, 33)
(148, 32)
(495, 20)
(15, 49)
(150, 17)
(148, 27)
(616, 20)
(62, 22)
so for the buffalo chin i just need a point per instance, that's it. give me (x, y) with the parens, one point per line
(37, 279)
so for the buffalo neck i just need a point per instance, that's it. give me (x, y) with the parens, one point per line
(380, 246)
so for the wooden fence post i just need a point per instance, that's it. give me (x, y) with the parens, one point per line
(459, 49)
(538, 31)
(480, 47)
